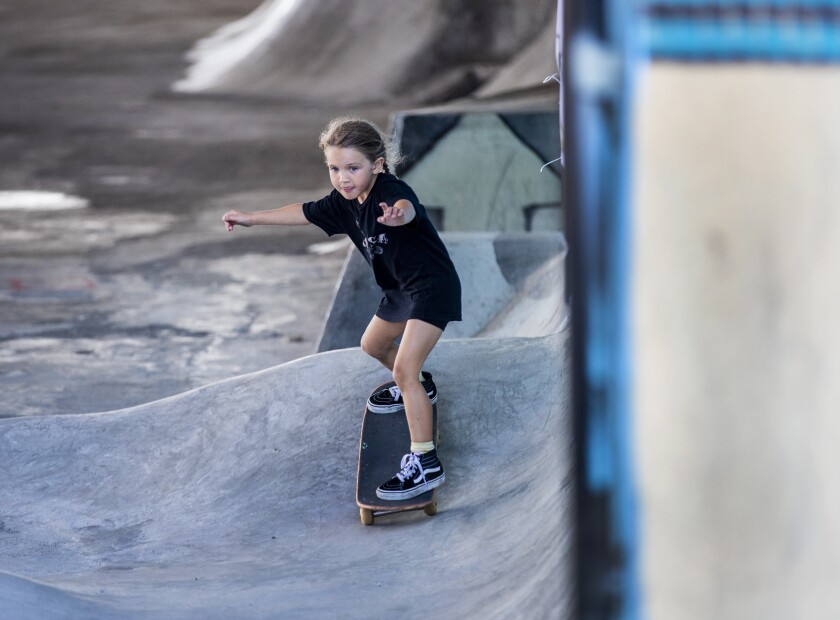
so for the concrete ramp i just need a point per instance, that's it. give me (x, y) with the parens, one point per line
(351, 52)
(512, 285)
(538, 306)
(237, 499)
(25, 598)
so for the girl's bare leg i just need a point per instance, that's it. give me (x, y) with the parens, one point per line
(419, 338)
(378, 341)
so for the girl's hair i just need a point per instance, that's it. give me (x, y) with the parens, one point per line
(363, 136)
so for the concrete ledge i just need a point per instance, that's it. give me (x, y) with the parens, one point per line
(494, 268)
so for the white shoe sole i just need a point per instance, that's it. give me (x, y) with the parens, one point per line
(392, 408)
(418, 490)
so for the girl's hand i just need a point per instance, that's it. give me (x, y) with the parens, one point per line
(233, 218)
(396, 215)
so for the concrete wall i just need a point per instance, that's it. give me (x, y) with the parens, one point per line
(736, 305)
(484, 177)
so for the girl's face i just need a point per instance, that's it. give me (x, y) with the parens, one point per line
(351, 173)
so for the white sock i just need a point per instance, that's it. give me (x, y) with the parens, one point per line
(418, 447)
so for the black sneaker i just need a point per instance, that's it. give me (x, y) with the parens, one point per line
(388, 398)
(419, 473)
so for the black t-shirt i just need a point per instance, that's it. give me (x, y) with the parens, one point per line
(409, 259)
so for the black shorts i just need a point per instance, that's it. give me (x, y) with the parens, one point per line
(397, 306)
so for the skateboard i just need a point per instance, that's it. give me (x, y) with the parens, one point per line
(384, 441)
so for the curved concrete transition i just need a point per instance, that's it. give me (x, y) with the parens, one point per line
(512, 285)
(236, 500)
(412, 50)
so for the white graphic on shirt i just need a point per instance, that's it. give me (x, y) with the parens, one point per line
(374, 244)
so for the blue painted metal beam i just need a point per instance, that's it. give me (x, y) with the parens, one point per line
(596, 107)
(802, 31)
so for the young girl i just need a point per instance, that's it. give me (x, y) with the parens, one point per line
(420, 287)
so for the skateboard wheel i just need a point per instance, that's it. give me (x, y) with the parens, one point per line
(431, 509)
(367, 516)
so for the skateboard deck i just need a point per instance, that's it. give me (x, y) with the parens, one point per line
(385, 440)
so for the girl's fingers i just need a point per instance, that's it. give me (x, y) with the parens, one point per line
(389, 214)
(391, 220)
(388, 211)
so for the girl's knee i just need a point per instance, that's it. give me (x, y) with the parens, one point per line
(367, 346)
(374, 348)
(405, 373)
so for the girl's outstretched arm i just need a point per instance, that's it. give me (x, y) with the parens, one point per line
(290, 215)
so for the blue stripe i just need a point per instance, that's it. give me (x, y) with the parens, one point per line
(730, 4)
(731, 39)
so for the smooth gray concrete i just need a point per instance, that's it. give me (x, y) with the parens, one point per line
(417, 50)
(237, 499)
(499, 273)
(132, 316)
(144, 294)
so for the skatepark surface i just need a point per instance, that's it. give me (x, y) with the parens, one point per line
(237, 499)
(229, 492)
